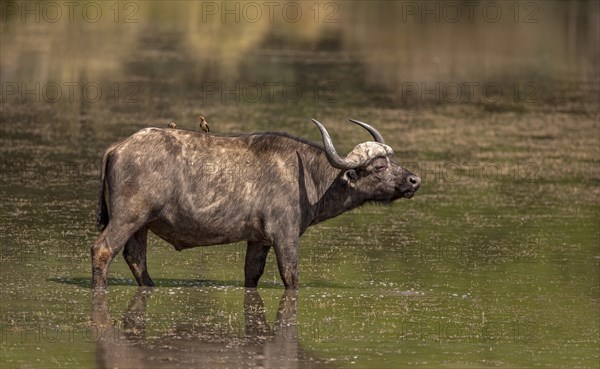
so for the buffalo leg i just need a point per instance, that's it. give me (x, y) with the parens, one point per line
(111, 241)
(254, 267)
(135, 256)
(287, 261)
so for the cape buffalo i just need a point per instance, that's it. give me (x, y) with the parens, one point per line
(197, 189)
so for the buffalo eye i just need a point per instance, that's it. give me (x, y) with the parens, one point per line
(380, 168)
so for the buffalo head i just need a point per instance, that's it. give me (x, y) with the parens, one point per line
(370, 169)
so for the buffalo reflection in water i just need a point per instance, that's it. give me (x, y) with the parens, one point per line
(126, 346)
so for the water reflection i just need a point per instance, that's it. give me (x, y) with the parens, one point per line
(178, 51)
(125, 344)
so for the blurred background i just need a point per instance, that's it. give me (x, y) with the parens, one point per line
(495, 104)
(166, 60)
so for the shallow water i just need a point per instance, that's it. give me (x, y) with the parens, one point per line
(494, 263)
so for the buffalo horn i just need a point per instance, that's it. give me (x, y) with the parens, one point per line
(334, 159)
(375, 133)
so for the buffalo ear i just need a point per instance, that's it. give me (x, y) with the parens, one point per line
(350, 176)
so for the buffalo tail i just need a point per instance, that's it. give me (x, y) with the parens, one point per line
(102, 210)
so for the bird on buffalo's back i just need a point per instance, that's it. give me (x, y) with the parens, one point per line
(203, 124)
